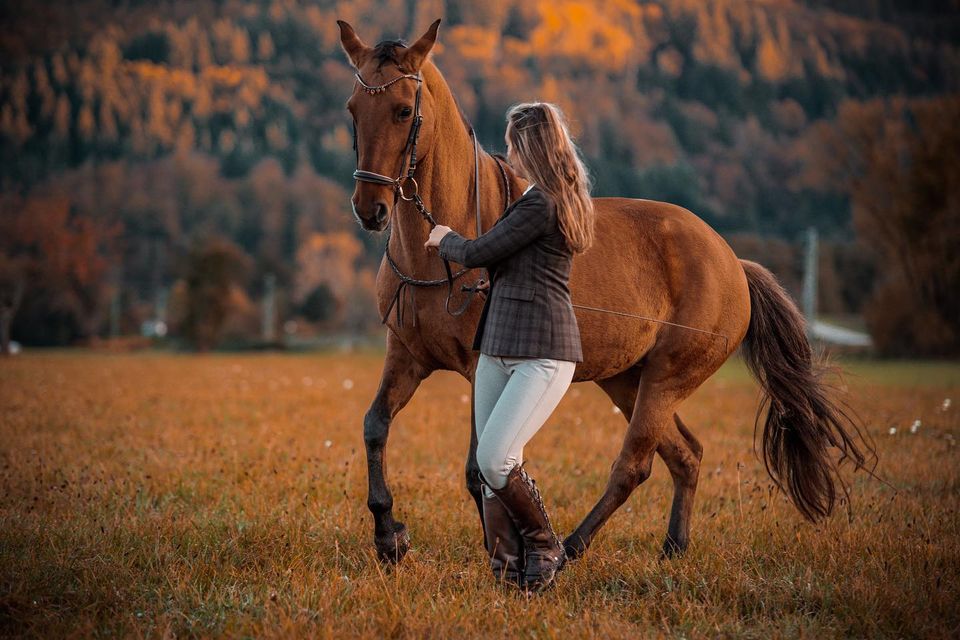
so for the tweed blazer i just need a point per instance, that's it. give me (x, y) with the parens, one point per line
(528, 311)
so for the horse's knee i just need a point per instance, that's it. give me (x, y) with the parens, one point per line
(639, 475)
(375, 430)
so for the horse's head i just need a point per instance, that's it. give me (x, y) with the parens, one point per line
(383, 118)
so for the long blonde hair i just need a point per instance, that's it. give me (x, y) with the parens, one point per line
(548, 156)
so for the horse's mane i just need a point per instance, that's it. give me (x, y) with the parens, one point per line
(386, 51)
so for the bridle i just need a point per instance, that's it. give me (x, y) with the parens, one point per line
(398, 183)
(410, 146)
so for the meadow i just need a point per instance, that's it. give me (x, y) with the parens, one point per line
(160, 495)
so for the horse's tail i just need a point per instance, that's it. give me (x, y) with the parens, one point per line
(802, 421)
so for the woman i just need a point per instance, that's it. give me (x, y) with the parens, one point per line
(528, 337)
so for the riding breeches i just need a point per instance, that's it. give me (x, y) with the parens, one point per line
(513, 397)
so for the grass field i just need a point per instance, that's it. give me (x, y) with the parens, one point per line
(155, 495)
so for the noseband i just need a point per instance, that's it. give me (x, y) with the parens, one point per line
(398, 183)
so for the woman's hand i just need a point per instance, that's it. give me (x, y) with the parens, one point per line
(436, 234)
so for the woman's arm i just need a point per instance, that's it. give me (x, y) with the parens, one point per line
(523, 225)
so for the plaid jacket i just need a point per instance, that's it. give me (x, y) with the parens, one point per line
(528, 311)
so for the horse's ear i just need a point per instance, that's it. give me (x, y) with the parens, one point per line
(416, 54)
(354, 47)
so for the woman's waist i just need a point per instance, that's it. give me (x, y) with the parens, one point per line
(547, 309)
(553, 283)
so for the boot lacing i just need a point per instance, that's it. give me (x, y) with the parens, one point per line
(539, 501)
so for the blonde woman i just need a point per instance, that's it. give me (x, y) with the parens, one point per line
(528, 337)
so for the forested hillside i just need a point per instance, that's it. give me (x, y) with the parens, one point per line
(154, 126)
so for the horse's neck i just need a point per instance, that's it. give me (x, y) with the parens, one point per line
(450, 197)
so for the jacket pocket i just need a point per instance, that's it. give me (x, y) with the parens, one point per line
(516, 291)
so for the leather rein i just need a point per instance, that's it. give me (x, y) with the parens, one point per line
(398, 183)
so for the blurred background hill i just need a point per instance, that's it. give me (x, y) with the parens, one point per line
(167, 166)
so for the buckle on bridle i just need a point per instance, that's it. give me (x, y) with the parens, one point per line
(416, 188)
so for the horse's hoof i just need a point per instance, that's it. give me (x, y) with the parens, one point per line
(393, 547)
(574, 546)
(672, 548)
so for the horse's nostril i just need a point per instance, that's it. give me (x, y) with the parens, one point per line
(381, 212)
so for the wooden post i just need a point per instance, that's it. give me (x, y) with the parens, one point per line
(810, 276)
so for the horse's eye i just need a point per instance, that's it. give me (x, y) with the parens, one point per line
(406, 111)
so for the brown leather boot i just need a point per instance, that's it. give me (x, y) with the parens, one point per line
(543, 551)
(504, 542)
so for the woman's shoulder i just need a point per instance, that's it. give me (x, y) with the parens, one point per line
(536, 199)
(538, 194)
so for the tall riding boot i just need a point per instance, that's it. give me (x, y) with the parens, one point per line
(504, 542)
(543, 551)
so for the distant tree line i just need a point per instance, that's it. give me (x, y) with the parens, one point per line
(174, 136)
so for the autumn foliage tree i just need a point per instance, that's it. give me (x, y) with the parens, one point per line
(897, 160)
(216, 272)
(53, 266)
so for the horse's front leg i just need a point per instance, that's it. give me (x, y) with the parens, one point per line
(401, 377)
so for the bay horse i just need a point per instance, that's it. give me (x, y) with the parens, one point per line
(651, 259)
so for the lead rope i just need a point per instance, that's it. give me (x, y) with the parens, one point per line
(672, 324)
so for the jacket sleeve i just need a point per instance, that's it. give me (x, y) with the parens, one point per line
(523, 225)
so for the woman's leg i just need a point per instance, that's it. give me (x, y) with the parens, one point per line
(534, 388)
(501, 537)
(491, 378)
(533, 391)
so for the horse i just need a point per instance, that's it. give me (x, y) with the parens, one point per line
(654, 260)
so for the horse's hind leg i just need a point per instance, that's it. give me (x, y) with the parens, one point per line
(649, 420)
(681, 452)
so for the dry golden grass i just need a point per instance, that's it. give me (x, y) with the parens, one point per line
(154, 495)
